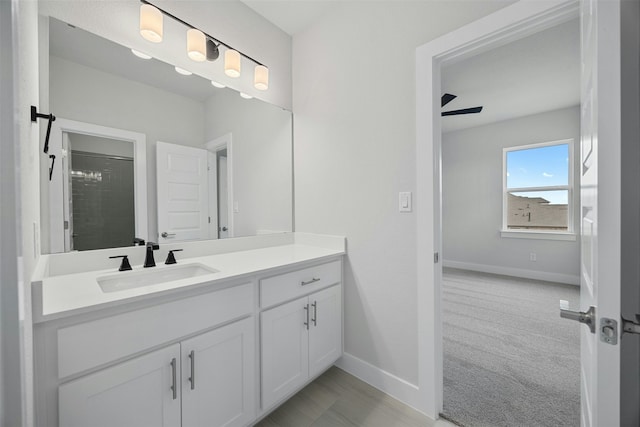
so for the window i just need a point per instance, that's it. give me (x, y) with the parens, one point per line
(538, 189)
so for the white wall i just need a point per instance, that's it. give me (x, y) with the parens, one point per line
(472, 199)
(88, 95)
(354, 136)
(10, 363)
(262, 160)
(20, 223)
(231, 21)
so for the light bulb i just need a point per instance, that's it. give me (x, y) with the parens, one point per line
(261, 77)
(232, 63)
(196, 45)
(150, 23)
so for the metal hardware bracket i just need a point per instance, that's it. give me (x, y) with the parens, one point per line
(631, 327)
(608, 331)
(35, 116)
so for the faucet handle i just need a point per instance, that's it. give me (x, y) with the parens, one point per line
(171, 259)
(138, 241)
(124, 266)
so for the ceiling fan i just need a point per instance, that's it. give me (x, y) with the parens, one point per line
(447, 98)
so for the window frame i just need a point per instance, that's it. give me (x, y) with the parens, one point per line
(569, 234)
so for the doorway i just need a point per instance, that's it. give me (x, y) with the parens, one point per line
(509, 245)
(600, 209)
(109, 153)
(222, 204)
(101, 192)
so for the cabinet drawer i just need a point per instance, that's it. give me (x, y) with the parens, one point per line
(284, 287)
(91, 344)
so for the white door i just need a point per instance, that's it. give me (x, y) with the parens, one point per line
(600, 208)
(285, 350)
(212, 172)
(136, 393)
(223, 198)
(66, 168)
(183, 207)
(325, 329)
(218, 379)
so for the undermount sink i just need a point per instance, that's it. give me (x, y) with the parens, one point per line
(152, 276)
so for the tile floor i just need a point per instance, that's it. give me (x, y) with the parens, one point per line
(337, 399)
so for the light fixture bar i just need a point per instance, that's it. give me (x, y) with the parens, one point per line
(175, 18)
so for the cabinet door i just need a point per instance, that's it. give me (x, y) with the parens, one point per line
(218, 377)
(285, 351)
(325, 333)
(136, 393)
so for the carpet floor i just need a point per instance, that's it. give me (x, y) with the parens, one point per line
(509, 359)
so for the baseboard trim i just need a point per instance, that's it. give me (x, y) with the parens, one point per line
(384, 381)
(515, 272)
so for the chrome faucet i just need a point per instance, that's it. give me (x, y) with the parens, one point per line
(149, 261)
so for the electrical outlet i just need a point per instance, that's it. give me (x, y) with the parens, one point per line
(532, 256)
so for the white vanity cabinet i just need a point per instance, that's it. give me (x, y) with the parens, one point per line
(218, 377)
(220, 354)
(301, 338)
(132, 393)
(205, 380)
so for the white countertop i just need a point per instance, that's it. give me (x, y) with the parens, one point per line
(68, 294)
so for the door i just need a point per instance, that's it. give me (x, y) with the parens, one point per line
(218, 379)
(223, 197)
(212, 173)
(325, 329)
(285, 350)
(183, 208)
(600, 208)
(138, 393)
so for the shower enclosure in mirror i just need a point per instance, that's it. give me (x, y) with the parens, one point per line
(227, 171)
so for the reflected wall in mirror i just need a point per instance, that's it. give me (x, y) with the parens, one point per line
(242, 149)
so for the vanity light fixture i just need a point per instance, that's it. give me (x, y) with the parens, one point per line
(218, 85)
(200, 45)
(140, 54)
(151, 23)
(196, 45)
(245, 96)
(261, 77)
(183, 71)
(232, 63)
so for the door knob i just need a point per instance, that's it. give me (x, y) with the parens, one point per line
(587, 317)
(223, 229)
(165, 234)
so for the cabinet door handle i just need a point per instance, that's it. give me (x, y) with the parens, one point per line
(308, 282)
(315, 313)
(174, 387)
(192, 379)
(306, 309)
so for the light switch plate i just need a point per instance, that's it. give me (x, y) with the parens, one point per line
(405, 203)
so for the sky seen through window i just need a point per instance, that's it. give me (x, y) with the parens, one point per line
(539, 167)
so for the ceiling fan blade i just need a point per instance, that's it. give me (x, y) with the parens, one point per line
(463, 111)
(447, 98)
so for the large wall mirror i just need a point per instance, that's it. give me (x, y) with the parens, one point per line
(145, 151)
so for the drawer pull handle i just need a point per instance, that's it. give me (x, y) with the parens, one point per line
(192, 379)
(174, 387)
(306, 309)
(315, 313)
(308, 282)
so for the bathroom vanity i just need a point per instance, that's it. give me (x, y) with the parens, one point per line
(258, 318)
